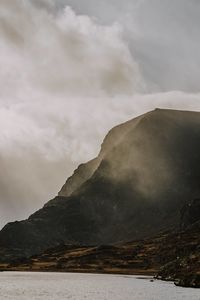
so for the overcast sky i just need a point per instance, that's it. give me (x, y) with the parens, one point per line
(72, 69)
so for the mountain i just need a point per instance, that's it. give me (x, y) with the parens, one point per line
(146, 173)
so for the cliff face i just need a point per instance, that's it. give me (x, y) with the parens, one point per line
(85, 171)
(81, 175)
(147, 170)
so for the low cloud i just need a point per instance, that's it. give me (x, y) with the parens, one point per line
(65, 80)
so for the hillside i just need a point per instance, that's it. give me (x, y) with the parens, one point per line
(169, 256)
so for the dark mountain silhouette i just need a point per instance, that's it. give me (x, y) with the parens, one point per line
(146, 172)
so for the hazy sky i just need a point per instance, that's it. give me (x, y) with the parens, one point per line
(72, 69)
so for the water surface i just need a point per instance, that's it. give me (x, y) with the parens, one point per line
(54, 286)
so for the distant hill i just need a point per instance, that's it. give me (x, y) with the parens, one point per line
(146, 172)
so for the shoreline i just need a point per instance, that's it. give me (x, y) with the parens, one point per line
(149, 274)
(144, 275)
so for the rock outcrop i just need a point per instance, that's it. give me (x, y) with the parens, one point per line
(190, 213)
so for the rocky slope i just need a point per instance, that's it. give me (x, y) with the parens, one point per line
(147, 170)
(183, 265)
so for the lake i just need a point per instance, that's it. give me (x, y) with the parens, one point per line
(54, 286)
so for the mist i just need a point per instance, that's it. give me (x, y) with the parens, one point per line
(71, 70)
